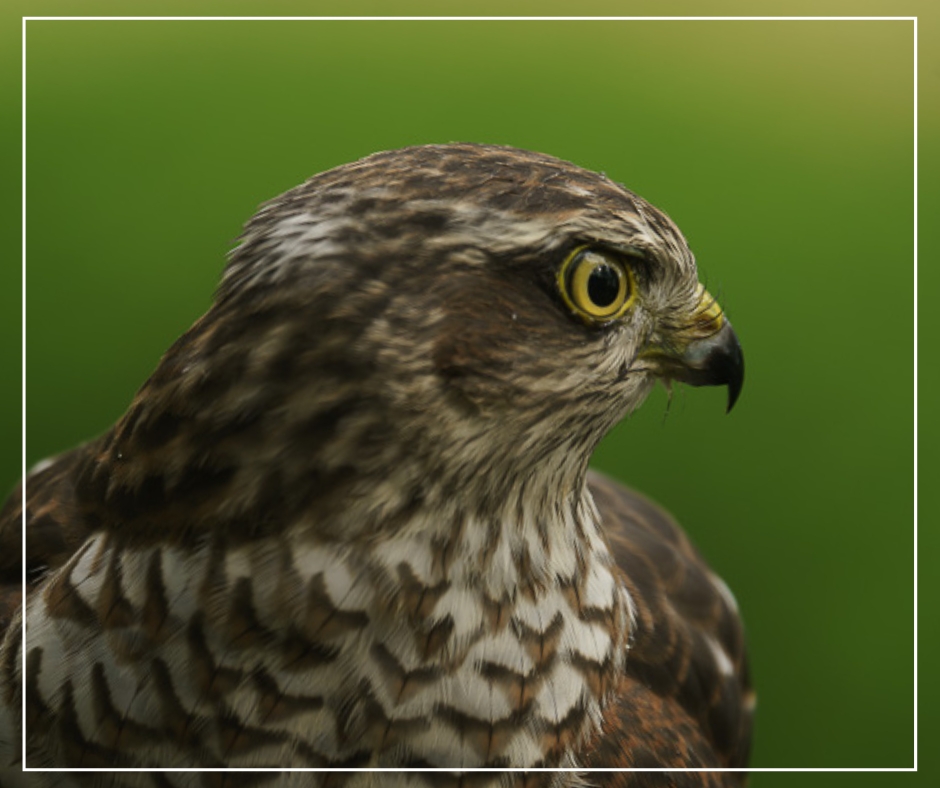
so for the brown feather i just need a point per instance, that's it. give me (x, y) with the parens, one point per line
(673, 708)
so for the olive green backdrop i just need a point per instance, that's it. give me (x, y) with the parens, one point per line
(784, 150)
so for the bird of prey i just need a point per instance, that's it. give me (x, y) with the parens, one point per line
(348, 521)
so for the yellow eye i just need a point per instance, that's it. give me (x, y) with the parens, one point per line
(596, 284)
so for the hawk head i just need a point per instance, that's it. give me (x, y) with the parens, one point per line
(434, 321)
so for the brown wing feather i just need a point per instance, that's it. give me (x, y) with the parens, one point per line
(11, 553)
(55, 528)
(676, 707)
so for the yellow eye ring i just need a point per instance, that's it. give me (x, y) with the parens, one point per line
(596, 285)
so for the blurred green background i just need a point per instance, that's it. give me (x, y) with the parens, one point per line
(784, 150)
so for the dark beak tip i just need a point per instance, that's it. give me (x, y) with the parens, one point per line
(734, 390)
(733, 363)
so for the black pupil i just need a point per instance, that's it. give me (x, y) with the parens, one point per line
(603, 285)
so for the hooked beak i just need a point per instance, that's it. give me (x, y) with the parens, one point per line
(705, 352)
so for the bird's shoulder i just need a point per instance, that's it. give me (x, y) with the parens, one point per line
(55, 527)
(685, 699)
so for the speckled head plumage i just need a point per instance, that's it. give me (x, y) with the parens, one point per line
(415, 212)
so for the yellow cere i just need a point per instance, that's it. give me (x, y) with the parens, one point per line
(596, 285)
(708, 314)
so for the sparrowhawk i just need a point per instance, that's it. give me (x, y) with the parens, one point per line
(348, 521)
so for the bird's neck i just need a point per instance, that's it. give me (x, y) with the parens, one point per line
(444, 641)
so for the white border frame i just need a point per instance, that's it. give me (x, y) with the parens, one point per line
(913, 19)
